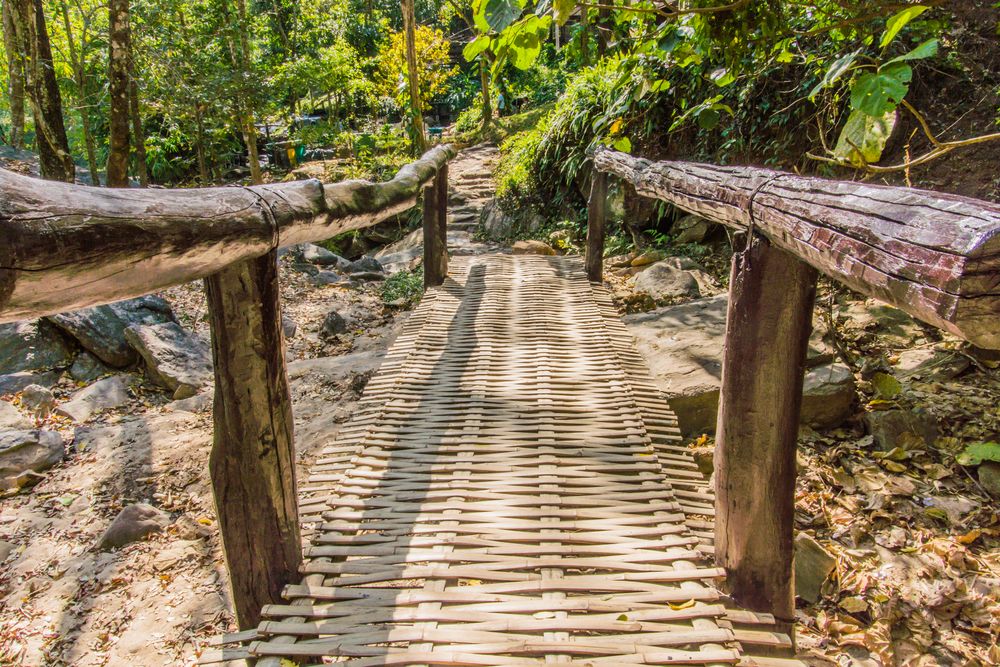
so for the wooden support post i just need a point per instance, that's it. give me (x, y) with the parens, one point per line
(252, 464)
(771, 296)
(436, 229)
(597, 213)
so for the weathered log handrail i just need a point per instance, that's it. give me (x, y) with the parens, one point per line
(934, 255)
(64, 246)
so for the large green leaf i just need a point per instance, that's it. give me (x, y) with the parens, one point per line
(877, 93)
(521, 43)
(925, 50)
(561, 10)
(861, 142)
(975, 454)
(495, 15)
(898, 21)
(836, 70)
(476, 46)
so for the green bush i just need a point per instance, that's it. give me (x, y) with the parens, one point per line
(405, 286)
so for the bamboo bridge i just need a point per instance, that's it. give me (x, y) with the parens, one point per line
(512, 489)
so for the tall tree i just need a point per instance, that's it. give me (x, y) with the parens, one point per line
(244, 106)
(80, 78)
(416, 113)
(32, 38)
(118, 87)
(138, 135)
(15, 77)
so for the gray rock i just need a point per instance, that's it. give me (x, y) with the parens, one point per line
(405, 260)
(15, 382)
(989, 477)
(201, 402)
(105, 394)
(682, 346)
(326, 278)
(928, 364)
(175, 358)
(813, 564)
(333, 324)
(25, 453)
(38, 400)
(532, 247)
(367, 275)
(288, 327)
(691, 229)
(366, 264)
(101, 329)
(828, 395)
(907, 429)
(87, 368)
(494, 224)
(134, 523)
(308, 269)
(315, 254)
(32, 345)
(11, 417)
(673, 278)
(6, 549)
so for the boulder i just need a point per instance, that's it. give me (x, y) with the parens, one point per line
(326, 278)
(15, 382)
(813, 564)
(647, 258)
(405, 260)
(87, 368)
(24, 453)
(105, 394)
(315, 254)
(828, 395)
(929, 364)
(532, 247)
(174, 357)
(367, 275)
(11, 417)
(494, 224)
(366, 264)
(682, 346)
(907, 429)
(38, 400)
(989, 477)
(308, 269)
(133, 523)
(32, 345)
(288, 327)
(669, 279)
(691, 229)
(101, 329)
(201, 402)
(333, 324)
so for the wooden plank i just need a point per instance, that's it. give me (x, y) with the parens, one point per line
(252, 463)
(435, 228)
(66, 246)
(768, 323)
(934, 255)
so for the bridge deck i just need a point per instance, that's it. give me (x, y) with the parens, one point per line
(511, 492)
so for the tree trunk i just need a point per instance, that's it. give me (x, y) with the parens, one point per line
(138, 136)
(484, 82)
(15, 76)
(771, 297)
(43, 91)
(80, 76)
(118, 85)
(436, 229)
(252, 464)
(246, 108)
(416, 108)
(200, 144)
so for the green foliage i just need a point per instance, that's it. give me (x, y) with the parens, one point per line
(405, 287)
(978, 452)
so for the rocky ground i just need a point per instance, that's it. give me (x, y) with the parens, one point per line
(108, 546)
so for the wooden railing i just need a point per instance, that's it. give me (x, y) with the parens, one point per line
(64, 247)
(935, 256)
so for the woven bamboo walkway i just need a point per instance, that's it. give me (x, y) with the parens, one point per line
(511, 492)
